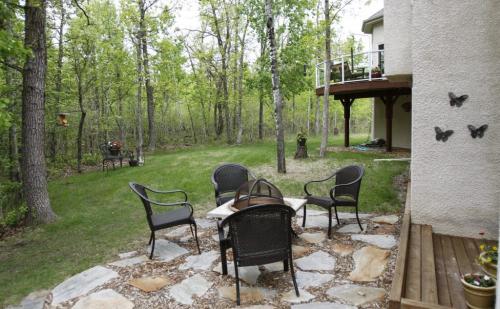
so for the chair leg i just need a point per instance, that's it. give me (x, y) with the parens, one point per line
(113, 162)
(223, 258)
(329, 223)
(304, 218)
(151, 238)
(293, 276)
(152, 246)
(336, 215)
(285, 264)
(357, 218)
(237, 283)
(196, 236)
(191, 228)
(103, 165)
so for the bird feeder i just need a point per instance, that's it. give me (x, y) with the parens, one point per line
(62, 119)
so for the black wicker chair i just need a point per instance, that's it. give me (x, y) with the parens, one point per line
(162, 220)
(345, 192)
(260, 235)
(108, 156)
(226, 179)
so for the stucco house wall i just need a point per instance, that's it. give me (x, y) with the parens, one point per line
(397, 32)
(377, 38)
(456, 184)
(401, 122)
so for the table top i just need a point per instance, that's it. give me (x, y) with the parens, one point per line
(223, 210)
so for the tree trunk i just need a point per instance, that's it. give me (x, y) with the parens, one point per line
(261, 91)
(308, 123)
(326, 94)
(192, 124)
(33, 116)
(81, 123)
(138, 107)
(147, 78)
(239, 135)
(278, 100)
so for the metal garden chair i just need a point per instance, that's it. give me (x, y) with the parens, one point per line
(227, 178)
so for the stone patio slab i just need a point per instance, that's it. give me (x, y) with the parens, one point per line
(318, 222)
(178, 232)
(127, 255)
(291, 297)
(149, 284)
(184, 291)
(369, 263)
(343, 249)
(389, 219)
(130, 261)
(313, 238)
(323, 306)
(299, 251)
(381, 241)
(351, 228)
(319, 260)
(108, 299)
(206, 223)
(167, 251)
(355, 294)
(202, 261)
(34, 300)
(307, 279)
(311, 212)
(352, 215)
(247, 294)
(82, 283)
(249, 274)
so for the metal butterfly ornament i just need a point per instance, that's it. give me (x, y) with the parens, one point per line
(442, 135)
(457, 101)
(477, 132)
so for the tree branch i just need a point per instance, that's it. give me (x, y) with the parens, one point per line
(83, 11)
(12, 66)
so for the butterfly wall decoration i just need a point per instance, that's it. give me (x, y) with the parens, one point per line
(457, 101)
(477, 132)
(442, 135)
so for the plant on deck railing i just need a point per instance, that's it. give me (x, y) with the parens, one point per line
(479, 280)
(489, 254)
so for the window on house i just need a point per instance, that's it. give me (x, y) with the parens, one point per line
(381, 57)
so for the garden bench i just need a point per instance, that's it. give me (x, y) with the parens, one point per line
(429, 267)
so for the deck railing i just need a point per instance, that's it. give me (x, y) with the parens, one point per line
(352, 68)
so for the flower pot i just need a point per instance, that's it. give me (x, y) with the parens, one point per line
(376, 74)
(489, 268)
(302, 142)
(133, 162)
(479, 297)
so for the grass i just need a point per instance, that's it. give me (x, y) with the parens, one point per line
(100, 217)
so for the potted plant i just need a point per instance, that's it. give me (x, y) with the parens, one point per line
(131, 159)
(376, 73)
(488, 258)
(301, 139)
(479, 290)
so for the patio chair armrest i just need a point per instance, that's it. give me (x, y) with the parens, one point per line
(169, 204)
(332, 190)
(316, 181)
(169, 191)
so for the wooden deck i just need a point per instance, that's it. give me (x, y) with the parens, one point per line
(429, 267)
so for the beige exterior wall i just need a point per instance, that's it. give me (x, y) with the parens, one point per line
(401, 122)
(397, 32)
(377, 38)
(455, 185)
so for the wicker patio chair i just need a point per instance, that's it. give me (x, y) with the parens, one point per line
(345, 192)
(162, 220)
(108, 156)
(261, 234)
(226, 179)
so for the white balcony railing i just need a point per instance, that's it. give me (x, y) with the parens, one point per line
(352, 68)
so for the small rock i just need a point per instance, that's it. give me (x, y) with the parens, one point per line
(200, 262)
(370, 262)
(82, 283)
(299, 251)
(184, 291)
(247, 294)
(307, 279)
(167, 250)
(249, 274)
(350, 293)
(390, 219)
(149, 284)
(127, 255)
(319, 260)
(386, 229)
(313, 238)
(108, 299)
(382, 241)
(291, 297)
(322, 306)
(343, 249)
(130, 261)
(273, 267)
(351, 228)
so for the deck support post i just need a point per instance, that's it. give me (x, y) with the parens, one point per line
(389, 109)
(346, 102)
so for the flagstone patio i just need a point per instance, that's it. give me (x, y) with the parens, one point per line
(354, 269)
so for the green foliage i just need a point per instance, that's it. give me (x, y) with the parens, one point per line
(12, 210)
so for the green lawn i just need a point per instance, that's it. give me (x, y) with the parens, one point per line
(100, 217)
